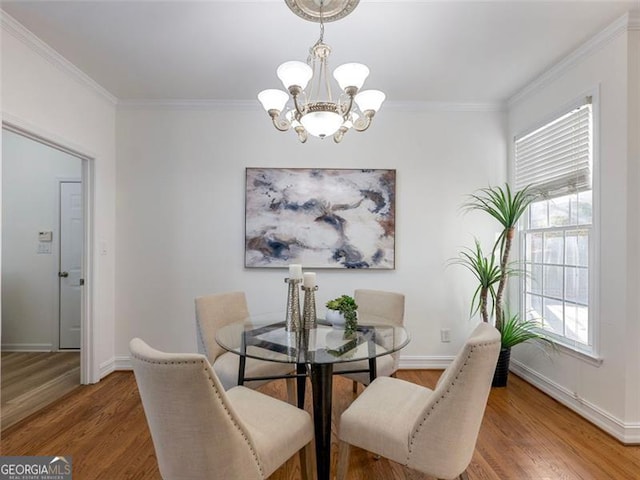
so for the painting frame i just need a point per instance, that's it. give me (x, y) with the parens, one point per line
(329, 218)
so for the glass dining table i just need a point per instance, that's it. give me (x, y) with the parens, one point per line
(313, 351)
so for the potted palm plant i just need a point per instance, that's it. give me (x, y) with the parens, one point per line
(507, 208)
(487, 273)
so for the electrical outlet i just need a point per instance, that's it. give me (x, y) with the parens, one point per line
(445, 335)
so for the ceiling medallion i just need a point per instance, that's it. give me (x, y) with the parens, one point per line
(331, 9)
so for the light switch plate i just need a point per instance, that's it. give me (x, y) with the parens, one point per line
(44, 248)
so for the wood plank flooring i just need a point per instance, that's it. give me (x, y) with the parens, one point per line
(525, 435)
(32, 380)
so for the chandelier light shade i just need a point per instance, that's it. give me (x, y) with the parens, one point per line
(273, 99)
(294, 73)
(351, 75)
(309, 108)
(322, 123)
(370, 100)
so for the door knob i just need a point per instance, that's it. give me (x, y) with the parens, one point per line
(63, 274)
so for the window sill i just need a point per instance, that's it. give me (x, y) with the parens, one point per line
(588, 357)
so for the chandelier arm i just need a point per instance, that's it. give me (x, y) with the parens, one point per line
(297, 106)
(339, 135)
(345, 115)
(364, 121)
(302, 133)
(279, 122)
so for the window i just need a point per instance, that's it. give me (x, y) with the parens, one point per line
(556, 234)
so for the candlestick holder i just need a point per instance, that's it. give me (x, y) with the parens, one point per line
(309, 317)
(292, 321)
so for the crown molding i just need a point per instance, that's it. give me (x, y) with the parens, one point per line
(21, 33)
(629, 21)
(187, 104)
(253, 105)
(408, 106)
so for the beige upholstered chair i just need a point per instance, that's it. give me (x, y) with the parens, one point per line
(375, 306)
(432, 431)
(201, 432)
(217, 310)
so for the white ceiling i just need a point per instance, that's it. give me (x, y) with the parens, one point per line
(432, 51)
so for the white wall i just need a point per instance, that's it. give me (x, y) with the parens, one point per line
(44, 94)
(30, 171)
(180, 215)
(606, 393)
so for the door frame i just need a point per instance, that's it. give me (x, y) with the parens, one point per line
(88, 369)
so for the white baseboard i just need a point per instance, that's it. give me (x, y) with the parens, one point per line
(425, 362)
(106, 368)
(27, 347)
(416, 362)
(119, 362)
(122, 362)
(628, 433)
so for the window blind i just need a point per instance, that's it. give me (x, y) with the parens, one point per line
(556, 158)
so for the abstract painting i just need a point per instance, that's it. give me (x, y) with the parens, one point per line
(320, 218)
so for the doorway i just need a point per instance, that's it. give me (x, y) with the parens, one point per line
(43, 239)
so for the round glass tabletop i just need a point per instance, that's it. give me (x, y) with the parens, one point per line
(323, 344)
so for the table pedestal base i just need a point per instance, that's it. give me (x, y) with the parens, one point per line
(321, 386)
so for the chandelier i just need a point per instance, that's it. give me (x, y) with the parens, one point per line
(313, 109)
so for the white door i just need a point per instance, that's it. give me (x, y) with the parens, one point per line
(71, 235)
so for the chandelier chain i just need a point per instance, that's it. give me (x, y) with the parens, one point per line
(321, 22)
(320, 40)
(323, 62)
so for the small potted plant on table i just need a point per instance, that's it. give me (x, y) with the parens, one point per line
(342, 311)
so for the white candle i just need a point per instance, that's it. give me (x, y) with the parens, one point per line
(309, 280)
(295, 271)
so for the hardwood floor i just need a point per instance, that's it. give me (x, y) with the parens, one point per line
(525, 435)
(32, 380)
